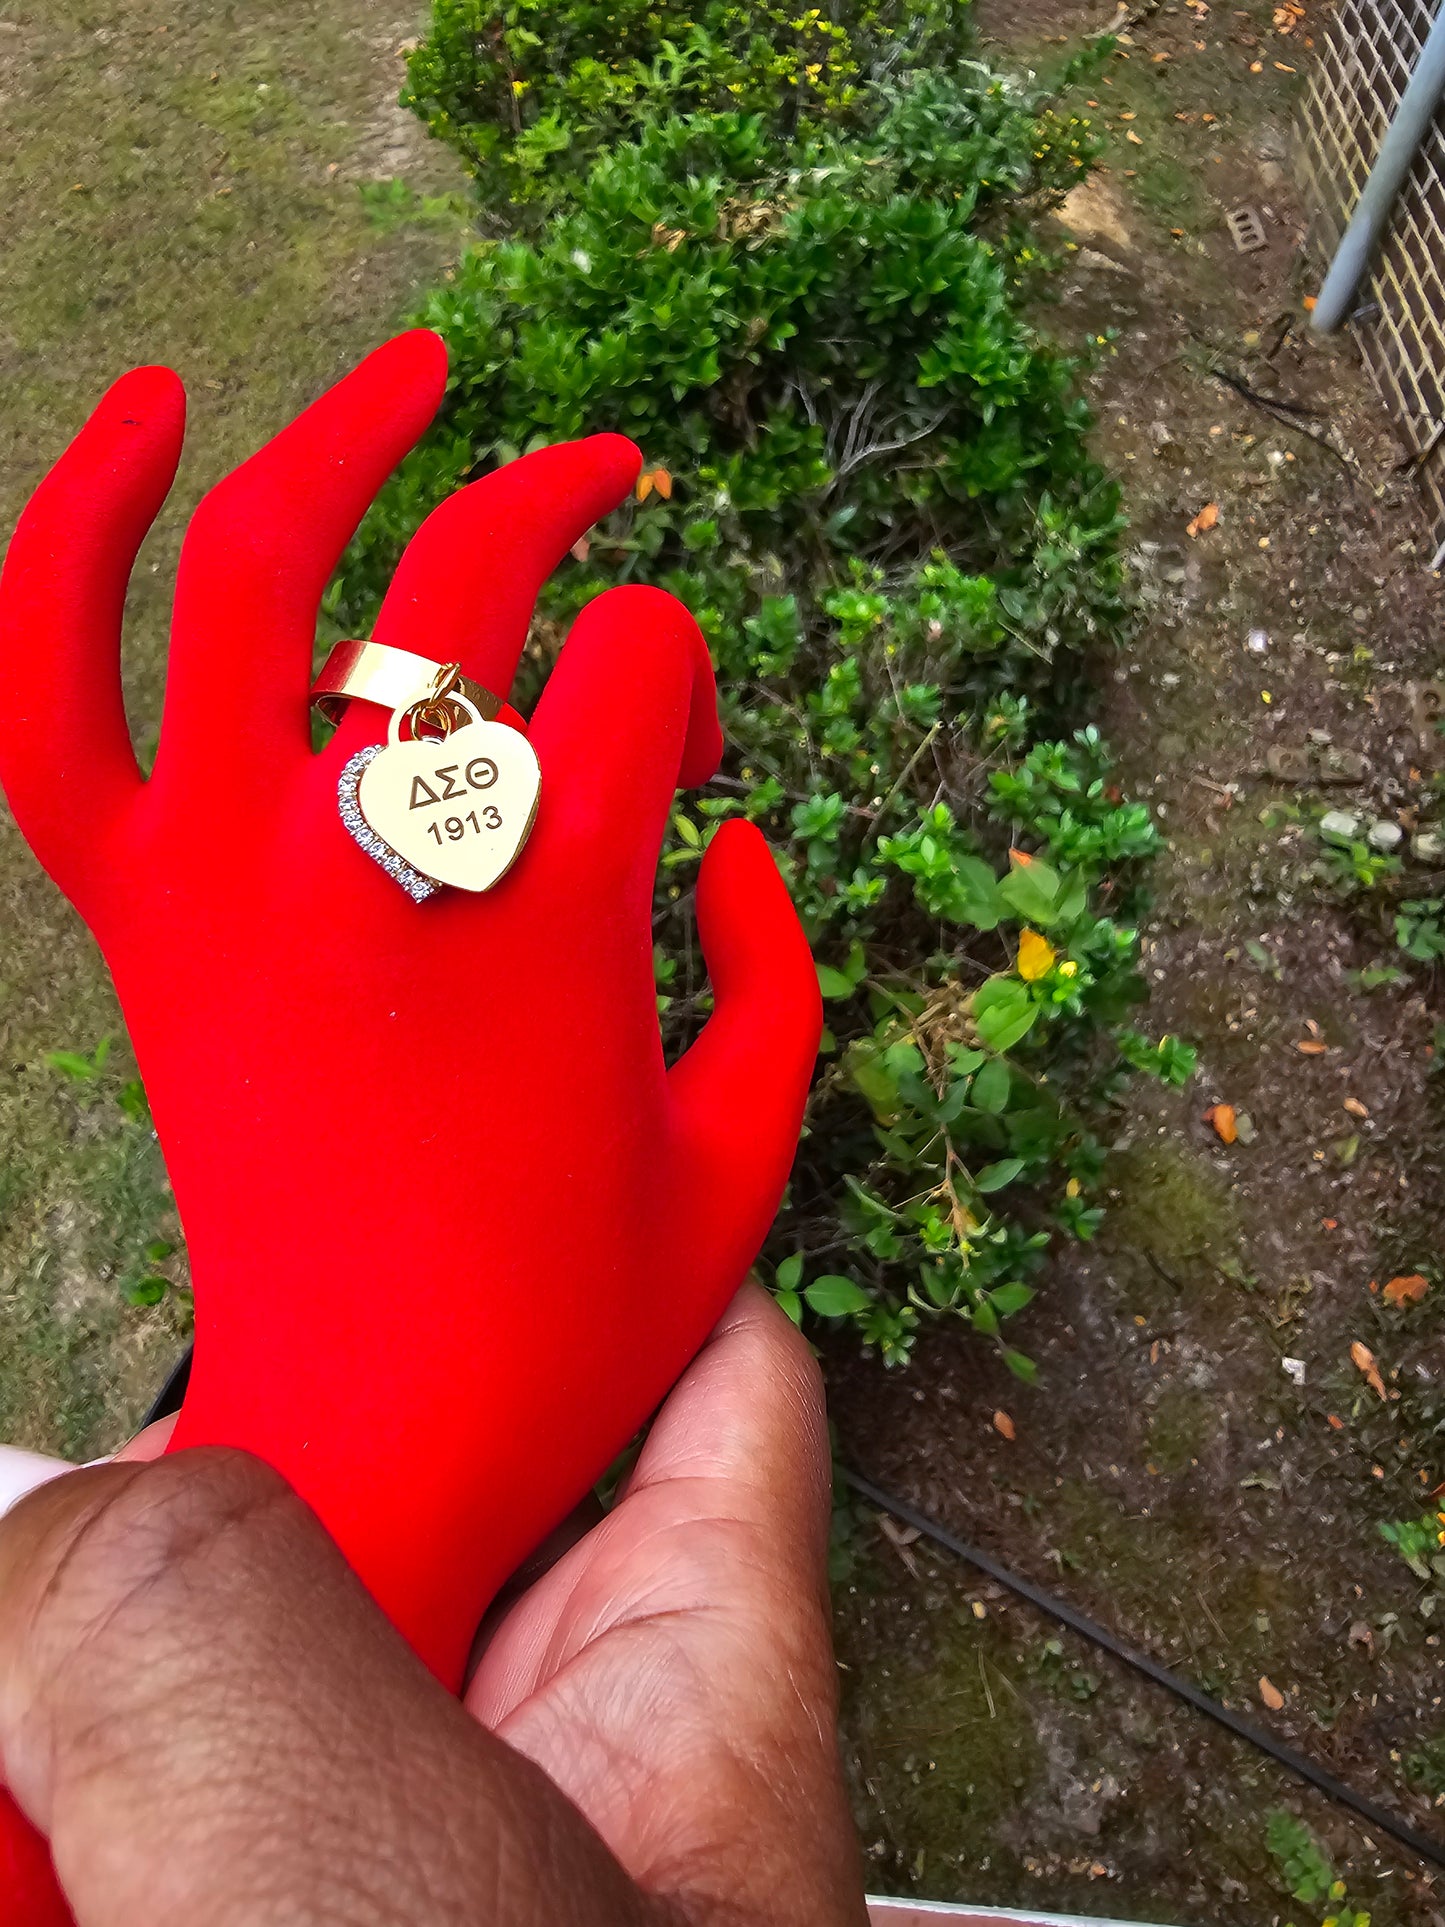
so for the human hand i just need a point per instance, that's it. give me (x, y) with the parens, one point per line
(454, 1228)
(214, 1725)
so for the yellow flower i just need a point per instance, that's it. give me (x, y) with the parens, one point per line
(520, 86)
(1036, 955)
(1068, 968)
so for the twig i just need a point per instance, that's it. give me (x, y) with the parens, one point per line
(1154, 1263)
(1290, 414)
(1276, 404)
(903, 777)
(1210, 1616)
(867, 454)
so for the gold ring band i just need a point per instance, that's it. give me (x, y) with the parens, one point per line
(375, 672)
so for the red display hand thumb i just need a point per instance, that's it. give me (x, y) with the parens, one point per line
(739, 1091)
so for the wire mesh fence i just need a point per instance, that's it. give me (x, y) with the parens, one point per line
(1362, 65)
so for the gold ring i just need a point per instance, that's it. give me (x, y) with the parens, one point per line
(374, 672)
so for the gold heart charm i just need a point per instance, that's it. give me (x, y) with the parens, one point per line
(455, 809)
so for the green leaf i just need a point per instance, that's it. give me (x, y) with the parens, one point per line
(833, 984)
(1007, 1299)
(1032, 890)
(1073, 900)
(70, 1063)
(687, 830)
(158, 1250)
(964, 1061)
(789, 1272)
(975, 898)
(1022, 1366)
(993, 1177)
(792, 1304)
(873, 1080)
(1003, 1012)
(148, 1291)
(133, 1101)
(836, 1297)
(991, 1090)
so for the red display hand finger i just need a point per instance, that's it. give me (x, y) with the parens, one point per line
(465, 589)
(629, 717)
(255, 561)
(66, 760)
(740, 1089)
(29, 1891)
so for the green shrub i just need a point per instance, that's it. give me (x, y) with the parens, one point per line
(1305, 1872)
(825, 348)
(878, 500)
(1419, 1543)
(527, 93)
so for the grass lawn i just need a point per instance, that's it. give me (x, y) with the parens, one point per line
(180, 186)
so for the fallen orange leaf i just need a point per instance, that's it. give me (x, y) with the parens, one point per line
(654, 478)
(1355, 1107)
(1310, 303)
(1330, 1224)
(1207, 518)
(1336, 1424)
(1408, 1290)
(1311, 1047)
(1221, 1116)
(1363, 1360)
(1270, 1694)
(1004, 1424)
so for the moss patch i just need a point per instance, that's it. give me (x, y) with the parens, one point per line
(1173, 1221)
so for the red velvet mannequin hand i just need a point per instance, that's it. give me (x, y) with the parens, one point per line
(454, 1228)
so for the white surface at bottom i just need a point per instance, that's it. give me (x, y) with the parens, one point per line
(930, 1913)
(21, 1472)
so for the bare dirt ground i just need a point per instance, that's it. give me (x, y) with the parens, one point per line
(1169, 1475)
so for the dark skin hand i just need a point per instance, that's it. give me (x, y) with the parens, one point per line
(216, 1727)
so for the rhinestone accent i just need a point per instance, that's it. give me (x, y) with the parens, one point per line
(417, 886)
